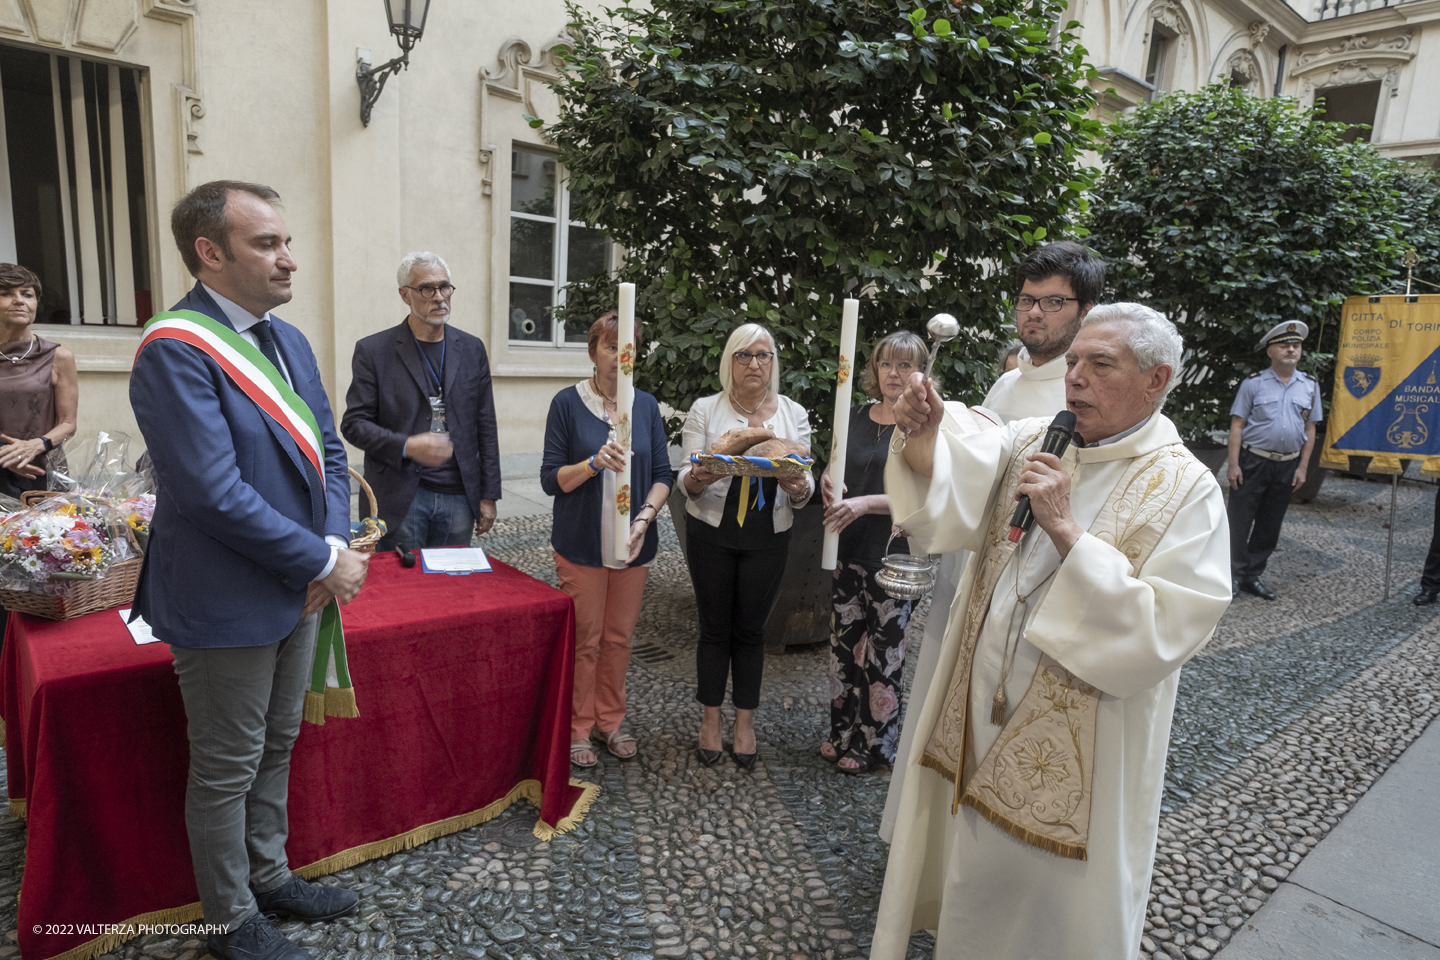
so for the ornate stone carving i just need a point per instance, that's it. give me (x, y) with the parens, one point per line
(1259, 30)
(1359, 43)
(1169, 14)
(192, 110)
(1351, 72)
(1243, 64)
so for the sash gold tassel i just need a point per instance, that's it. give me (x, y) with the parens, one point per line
(340, 702)
(997, 707)
(314, 708)
(1070, 851)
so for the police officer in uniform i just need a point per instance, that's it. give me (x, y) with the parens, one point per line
(1272, 429)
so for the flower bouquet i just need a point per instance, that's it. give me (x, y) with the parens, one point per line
(67, 555)
(137, 512)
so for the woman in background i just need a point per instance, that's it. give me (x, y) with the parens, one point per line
(39, 389)
(736, 546)
(581, 469)
(868, 627)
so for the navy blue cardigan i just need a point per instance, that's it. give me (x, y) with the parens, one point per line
(572, 434)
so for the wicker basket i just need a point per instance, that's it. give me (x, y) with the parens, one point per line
(374, 527)
(115, 589)
(741, 466)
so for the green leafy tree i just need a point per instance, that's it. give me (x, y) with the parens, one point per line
(761, 160)
(1230, 213)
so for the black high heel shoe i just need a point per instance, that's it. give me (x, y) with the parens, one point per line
(745, 761)
(708, 757)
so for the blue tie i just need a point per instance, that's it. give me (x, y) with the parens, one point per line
(312, 479)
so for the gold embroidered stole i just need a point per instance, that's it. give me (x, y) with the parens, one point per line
(1035, 780)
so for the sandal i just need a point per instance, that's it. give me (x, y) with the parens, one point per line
(862, 761)
(578, 748)
(833, 756)
(615, 742)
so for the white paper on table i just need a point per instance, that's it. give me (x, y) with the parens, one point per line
(454, 560)
(140, 630)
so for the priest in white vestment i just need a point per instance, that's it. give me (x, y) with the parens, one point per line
(1026, 825)
(1059, 284)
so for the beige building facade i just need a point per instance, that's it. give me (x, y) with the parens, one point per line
(114, 108)
(1372, 62)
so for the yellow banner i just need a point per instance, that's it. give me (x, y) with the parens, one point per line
(1386, 403)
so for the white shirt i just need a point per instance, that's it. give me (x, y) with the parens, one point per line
(1028, 390)
(242, 320)
(712, 416)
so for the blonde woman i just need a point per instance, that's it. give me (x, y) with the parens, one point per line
(736, 550)
(868, 628)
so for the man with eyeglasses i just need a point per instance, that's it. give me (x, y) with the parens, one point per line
(1059, 283)
(420, 406)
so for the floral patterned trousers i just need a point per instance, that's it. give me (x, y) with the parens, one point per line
(868, 637)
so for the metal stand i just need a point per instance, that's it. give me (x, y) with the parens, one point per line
(1390, 546)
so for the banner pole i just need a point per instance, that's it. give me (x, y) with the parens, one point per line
(1390, 545)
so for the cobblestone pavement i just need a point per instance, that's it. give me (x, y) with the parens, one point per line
(1281, 724)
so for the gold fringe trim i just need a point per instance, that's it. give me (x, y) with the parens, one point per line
(340, 702)
(589, 792)
(1335, 460)
(1070, 851)
(928, 761)
(1386, 463)
(524, 790)
(1429, 467)
(314, 708)
(17, 807)
(90, 949)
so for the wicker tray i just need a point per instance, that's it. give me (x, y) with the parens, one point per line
(115, 589)
(373, 526)
(738, 466)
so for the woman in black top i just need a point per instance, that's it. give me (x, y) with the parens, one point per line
(868, 626)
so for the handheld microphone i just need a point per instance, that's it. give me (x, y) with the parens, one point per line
(407, 559)
(1057, 440)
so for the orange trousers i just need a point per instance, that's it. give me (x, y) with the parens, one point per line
(607, 604)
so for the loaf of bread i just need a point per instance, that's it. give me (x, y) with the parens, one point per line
(738, 441)
(777, 447)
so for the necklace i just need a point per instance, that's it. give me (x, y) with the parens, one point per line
(750, 413)
(23, 355)
(595, 385)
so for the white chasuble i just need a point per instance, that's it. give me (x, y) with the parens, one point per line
(1026, 391)
(987, 893)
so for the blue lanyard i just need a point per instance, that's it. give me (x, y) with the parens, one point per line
(439, 384)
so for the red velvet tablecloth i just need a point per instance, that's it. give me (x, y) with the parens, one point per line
(463, 686)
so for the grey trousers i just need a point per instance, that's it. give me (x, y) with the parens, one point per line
(243, 707)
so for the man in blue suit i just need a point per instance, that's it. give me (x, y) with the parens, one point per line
(247, 545)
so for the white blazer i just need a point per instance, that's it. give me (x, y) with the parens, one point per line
(712, 416)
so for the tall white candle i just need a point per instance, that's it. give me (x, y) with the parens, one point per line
(849, 320)
(624, 407)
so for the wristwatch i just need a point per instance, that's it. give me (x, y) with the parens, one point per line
(49, 444)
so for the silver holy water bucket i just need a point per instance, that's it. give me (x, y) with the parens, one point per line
(905, 576)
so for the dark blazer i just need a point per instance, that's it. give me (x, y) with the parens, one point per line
(233, 545)
(388, 403)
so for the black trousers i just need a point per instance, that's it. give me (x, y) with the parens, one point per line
(734, 590)
(1256, 511)
(1430, 579)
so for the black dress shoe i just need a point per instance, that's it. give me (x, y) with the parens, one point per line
(298, 899)
(708, 757)
(1425, 597)
(1257, 588)
(1234, 589)
(255, 939)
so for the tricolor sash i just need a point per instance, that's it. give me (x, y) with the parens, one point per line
(331, 692)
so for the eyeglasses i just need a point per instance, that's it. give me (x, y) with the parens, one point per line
(428, 290)
(1024, 304)
(754, 359)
